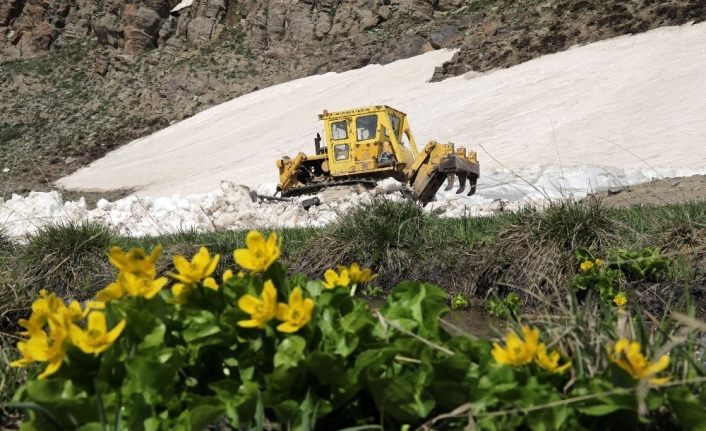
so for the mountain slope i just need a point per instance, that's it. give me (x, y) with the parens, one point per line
(81, 78)
(632, 103)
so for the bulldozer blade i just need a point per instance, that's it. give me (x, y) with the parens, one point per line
(461, 183)
(449, 182)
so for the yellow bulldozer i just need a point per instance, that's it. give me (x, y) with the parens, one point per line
(368, 144)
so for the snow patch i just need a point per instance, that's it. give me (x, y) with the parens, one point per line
(183, 4)
(231, 206)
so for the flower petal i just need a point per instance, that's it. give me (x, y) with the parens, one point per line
(295, 298)
(210, 283)
(254, 240)
(96, 322)
(116, 331)
(282, 311)
(52, 368)
(656, 367)
(213, 264)
(251, 323)
(287, 327)
(249, 303)
(182, 265)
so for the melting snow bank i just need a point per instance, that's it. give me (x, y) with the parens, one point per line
(231, 207)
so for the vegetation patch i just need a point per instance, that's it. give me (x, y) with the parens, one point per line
(585, 275)
(265, 349)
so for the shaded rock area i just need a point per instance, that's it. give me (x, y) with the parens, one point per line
(509, 35)
(79, 78)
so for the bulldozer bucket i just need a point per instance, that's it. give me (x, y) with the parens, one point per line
(472, 179)
(462, 168)
(449, 182)
(461, 182)
(450, 166)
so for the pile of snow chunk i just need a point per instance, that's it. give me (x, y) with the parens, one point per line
(231, 206)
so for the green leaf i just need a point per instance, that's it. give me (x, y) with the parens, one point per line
(690, 412)
(314, 288)
(600, 409)
(201, 416)
(400, 399)
(290, 351)
(240, 400)
(56, 400)
(421, 303)
(154, 338)
(200, 325)
(155, 381)
(93, 426)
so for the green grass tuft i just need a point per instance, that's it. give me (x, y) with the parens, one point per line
(69, 259)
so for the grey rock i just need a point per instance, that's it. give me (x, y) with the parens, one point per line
(444, 36)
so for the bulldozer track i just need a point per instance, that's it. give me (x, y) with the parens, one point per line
(310, 188)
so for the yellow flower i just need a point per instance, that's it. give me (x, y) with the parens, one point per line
(96, 338)
(586, 265)
(50, 307)
(517, 351)
(259, 254)
(261, 310)
(620, 299)
(94, 305)
(333, 279)
(626, 355)
(198, 270)
(357, 275)
(43, 347)
(550, 362)
(112, 291)
(296, 314)
(146, 287)
(599, 262)
(227, 275)
(47, 305)
(135, 261)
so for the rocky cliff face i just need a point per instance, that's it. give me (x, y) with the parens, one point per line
(80, 77)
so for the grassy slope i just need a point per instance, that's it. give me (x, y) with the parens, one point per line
(476, 256)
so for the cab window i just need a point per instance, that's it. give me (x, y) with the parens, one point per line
(339, 130)
(395, 124)
(365, 127)
(340, 152)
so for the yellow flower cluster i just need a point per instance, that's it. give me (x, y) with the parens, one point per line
(627, 355)
(294, 315)
(346, 276)
(53, 327)
(257, 256)
(136, 276)
(587, 264)
(523, 351)
(620, 299)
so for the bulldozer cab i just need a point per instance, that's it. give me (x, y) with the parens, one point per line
(367, 140)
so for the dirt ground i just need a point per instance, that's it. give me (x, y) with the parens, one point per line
(657, 192)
